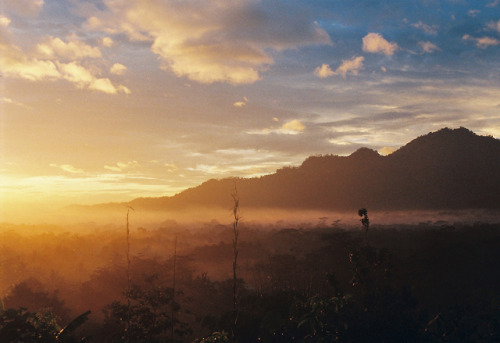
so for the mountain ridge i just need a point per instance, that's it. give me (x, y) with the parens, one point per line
(446, 169)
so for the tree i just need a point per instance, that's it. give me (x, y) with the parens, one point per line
(29, 294)
(236, 217)
(148, 318)
(20, 325)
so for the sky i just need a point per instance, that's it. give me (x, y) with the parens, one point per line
(109, 100)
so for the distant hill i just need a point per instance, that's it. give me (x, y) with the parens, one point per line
(447, 169)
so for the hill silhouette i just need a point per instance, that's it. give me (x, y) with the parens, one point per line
(447, 169)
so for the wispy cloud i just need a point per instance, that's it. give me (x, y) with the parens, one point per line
(121, 166)
(171, 167)
(430, 29)
(6, 100)
(428, 47)
(473, 12)
(375, 43)
(292, 127)
(24, 7)
(241, 103)
(67, 168)
(494, 25)
(483, 42)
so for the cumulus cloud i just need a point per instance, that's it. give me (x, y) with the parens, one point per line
(350, 66)
(428, 47)
(324, 71)
(117, 69)
(230, 42)
(107, 42)
(483, 42)
(375, 43)
(15, 63)
(430, 29)
(73, 49)
(84, 79)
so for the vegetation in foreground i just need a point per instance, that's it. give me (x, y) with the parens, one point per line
(427, 283)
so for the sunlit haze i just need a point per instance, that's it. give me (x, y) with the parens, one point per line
(110, 100)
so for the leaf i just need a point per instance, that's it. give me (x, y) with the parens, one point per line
(72, 326)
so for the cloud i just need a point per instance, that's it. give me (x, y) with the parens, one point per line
(428, 47)
(84, 79)
(23, 7)
(493, 3)
(121, 166)
(375, 43)
(473, 13)
(117, 69)
(241, 103)
(494, 25)
(15, 63)
(107, 42)
(291, 127)
(5, 100)
(350, 66)
(323, 71)
(483, 42)
(231, 42)
(430, 29)
(54, 47)
(67, 168)
(387, 150)
(4, 21)
(171, 167)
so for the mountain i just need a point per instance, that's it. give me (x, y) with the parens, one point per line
(447, 169)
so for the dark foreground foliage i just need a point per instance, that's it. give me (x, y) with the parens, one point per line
(430, 283)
